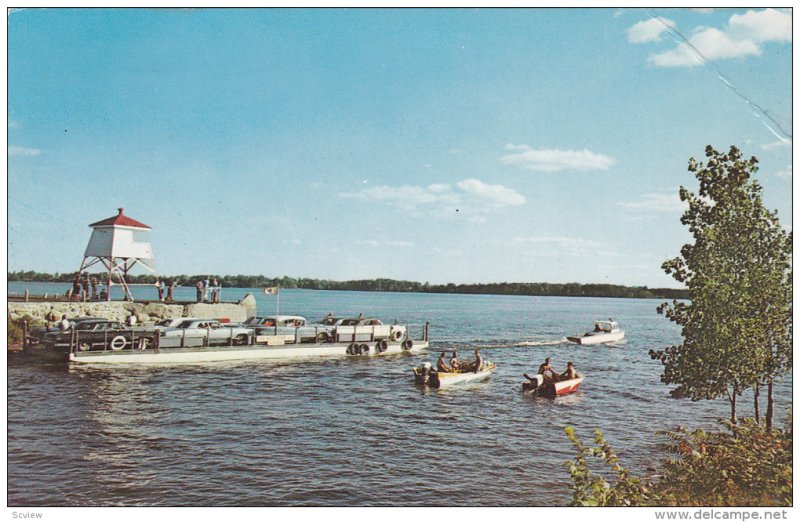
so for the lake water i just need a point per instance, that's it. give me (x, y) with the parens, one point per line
(350, 432)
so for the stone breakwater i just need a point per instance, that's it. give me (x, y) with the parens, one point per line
(144, 312)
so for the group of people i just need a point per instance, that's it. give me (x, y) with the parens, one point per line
(457, 367)
(166, 290)
(550, 375)
(206, 286)
(84, 288)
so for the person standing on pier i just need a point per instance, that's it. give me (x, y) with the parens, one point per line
(86, 286)
(94, 287)
(199, 287)
(215, 290)
(171, 290)
(76, 288)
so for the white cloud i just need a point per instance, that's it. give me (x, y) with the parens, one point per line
(571, 243)
(785, 173)
(553, 160)
(470, 198)
(493, 195)
(768, 25)
(649, 30)
(743, 36)
(711, 44)
(14, 150)
(656, 203)
(777, 144)
(374, 243)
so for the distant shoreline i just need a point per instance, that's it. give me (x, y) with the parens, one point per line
(391, 285)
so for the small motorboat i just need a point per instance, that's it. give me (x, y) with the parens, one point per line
(547, 388)
(604, 332)
(426, 375)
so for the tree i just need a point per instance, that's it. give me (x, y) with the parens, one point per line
(750, 467)
(737, 329)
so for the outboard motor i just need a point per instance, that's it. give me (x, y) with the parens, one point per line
(424, 373)
(533, 382)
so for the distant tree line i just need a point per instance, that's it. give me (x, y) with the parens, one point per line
(391, 285)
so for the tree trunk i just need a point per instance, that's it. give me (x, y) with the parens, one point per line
(770, 406)
(733, 407)
(756, 405)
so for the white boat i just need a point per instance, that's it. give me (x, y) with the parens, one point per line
(544, 388)
(425, 375)
(259, 347)
(604, 332)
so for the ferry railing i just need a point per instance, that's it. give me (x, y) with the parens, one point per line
(134, 340)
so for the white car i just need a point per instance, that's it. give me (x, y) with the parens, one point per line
(198, 332)
(292, 328)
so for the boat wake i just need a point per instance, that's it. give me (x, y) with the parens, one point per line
(500, 343)
(552, 342)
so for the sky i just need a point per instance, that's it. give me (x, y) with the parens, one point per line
(441, 145)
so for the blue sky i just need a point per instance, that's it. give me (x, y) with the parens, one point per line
(451, 145)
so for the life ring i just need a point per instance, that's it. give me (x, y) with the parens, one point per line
(397, 335)
(352, 349)
(363, 349)
(408, 344)
(118, 342)
(322, 337)
(381, 346)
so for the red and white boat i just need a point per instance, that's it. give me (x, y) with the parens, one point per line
(542, 388)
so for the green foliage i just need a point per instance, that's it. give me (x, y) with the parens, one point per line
(737, 329)
(15, 328)
(391, 285)
(745, 466)
(591, 489)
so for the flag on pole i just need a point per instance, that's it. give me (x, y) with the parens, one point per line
(271, 290)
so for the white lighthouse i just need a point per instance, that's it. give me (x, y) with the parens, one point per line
(119, 243)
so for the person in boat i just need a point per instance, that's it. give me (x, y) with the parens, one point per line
(328, 319)
(63, 325)
(570, 372)
(478, 364)
(441, 365)
(545, 369)
(454, 362)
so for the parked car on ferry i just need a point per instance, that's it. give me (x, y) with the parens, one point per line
(365, 329)
(197, 332)
(292, 328)
(37, 335)
(172, 322)
(94, 333)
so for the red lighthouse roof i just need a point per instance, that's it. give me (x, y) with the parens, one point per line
(119, 220)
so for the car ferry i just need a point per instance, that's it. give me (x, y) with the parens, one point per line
(222, 343)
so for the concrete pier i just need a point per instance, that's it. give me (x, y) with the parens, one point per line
(144, 312)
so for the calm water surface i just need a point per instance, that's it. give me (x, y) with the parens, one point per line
(349, 432)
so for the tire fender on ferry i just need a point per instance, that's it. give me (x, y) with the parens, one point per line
(322, 337)
(397, 335)
(363, 349)
(381, 346)
(352, 349)
(118, 342)
(408, 344)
